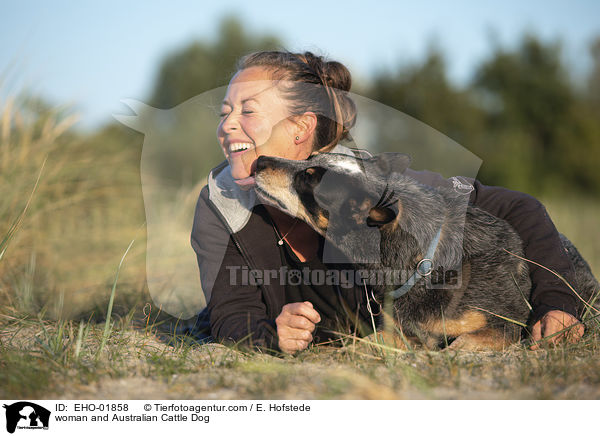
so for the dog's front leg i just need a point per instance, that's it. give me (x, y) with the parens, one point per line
(485, 339)
(393, 340)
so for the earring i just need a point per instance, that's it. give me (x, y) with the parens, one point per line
(297, 138)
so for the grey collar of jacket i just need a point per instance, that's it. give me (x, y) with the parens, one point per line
(234, 203)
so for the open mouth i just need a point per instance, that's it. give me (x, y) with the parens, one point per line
(235, 150)
(239, 147)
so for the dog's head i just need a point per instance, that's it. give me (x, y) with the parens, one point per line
(344, 198)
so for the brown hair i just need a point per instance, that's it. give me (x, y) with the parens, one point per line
(328, 99)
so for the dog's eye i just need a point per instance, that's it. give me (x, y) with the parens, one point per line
(310, 171)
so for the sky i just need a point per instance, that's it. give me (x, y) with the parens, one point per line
(91, 55)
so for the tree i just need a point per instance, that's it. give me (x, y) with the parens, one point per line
(594, 79)
(202, 66)
(424, 92)
(538, 135)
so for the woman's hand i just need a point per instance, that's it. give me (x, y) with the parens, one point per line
(553, 322)
(295, 325)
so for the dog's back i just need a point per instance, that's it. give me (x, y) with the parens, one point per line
(489, 302)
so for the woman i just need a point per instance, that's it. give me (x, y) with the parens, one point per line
(302, 114)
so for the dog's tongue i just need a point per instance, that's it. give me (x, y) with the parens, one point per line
(248, 181)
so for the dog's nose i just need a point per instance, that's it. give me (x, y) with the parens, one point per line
(262, 163)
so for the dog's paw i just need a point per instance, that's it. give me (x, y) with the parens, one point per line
(294, 277)
(482, 340)
(386, 339)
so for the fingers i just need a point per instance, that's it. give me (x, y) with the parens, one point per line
(299, 316)
(295, 325)
(574, 334)
(573, 328)
(561, 325)
(300, 322)
(536, 334)
(285, 332)
(557, 326)
(296, 335)
(304, 309)
(291, 346)
(550, 326)
(292, 340)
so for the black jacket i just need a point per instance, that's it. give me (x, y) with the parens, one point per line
(241, 312)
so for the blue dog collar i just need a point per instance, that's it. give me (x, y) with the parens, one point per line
(424, 268)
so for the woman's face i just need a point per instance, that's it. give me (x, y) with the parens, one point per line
(255, 121)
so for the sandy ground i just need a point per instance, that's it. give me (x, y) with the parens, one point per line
(138, 365)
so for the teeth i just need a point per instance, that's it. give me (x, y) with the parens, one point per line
(239, 146)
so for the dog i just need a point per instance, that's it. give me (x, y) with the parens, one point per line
(379, 218)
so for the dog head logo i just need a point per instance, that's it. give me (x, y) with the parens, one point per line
(26, 415)
(180, 148)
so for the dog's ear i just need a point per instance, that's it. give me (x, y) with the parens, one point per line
(379, 216)
(389, 163)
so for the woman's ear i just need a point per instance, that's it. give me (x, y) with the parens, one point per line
(306, 124)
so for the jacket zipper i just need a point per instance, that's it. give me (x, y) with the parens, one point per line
(239, 247)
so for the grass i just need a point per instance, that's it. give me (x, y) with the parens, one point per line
(74, 226)
(77, 323)
(577, 217)
(107, 323)
(41, 359)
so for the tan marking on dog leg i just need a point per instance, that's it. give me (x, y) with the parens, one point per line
(485, 339)
(470, 321)
(389, 340)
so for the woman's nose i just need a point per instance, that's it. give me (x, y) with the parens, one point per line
(230, 123)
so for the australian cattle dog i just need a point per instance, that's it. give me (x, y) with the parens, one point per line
(382, 219)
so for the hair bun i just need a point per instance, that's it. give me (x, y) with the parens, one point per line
(338, 79)
(337, 75)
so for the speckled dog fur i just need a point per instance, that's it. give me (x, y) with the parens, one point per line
(380, 218)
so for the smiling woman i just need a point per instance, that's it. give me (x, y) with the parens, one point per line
(255, 121)
(256, 262)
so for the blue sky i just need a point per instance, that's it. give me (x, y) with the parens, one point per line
(93, 54)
